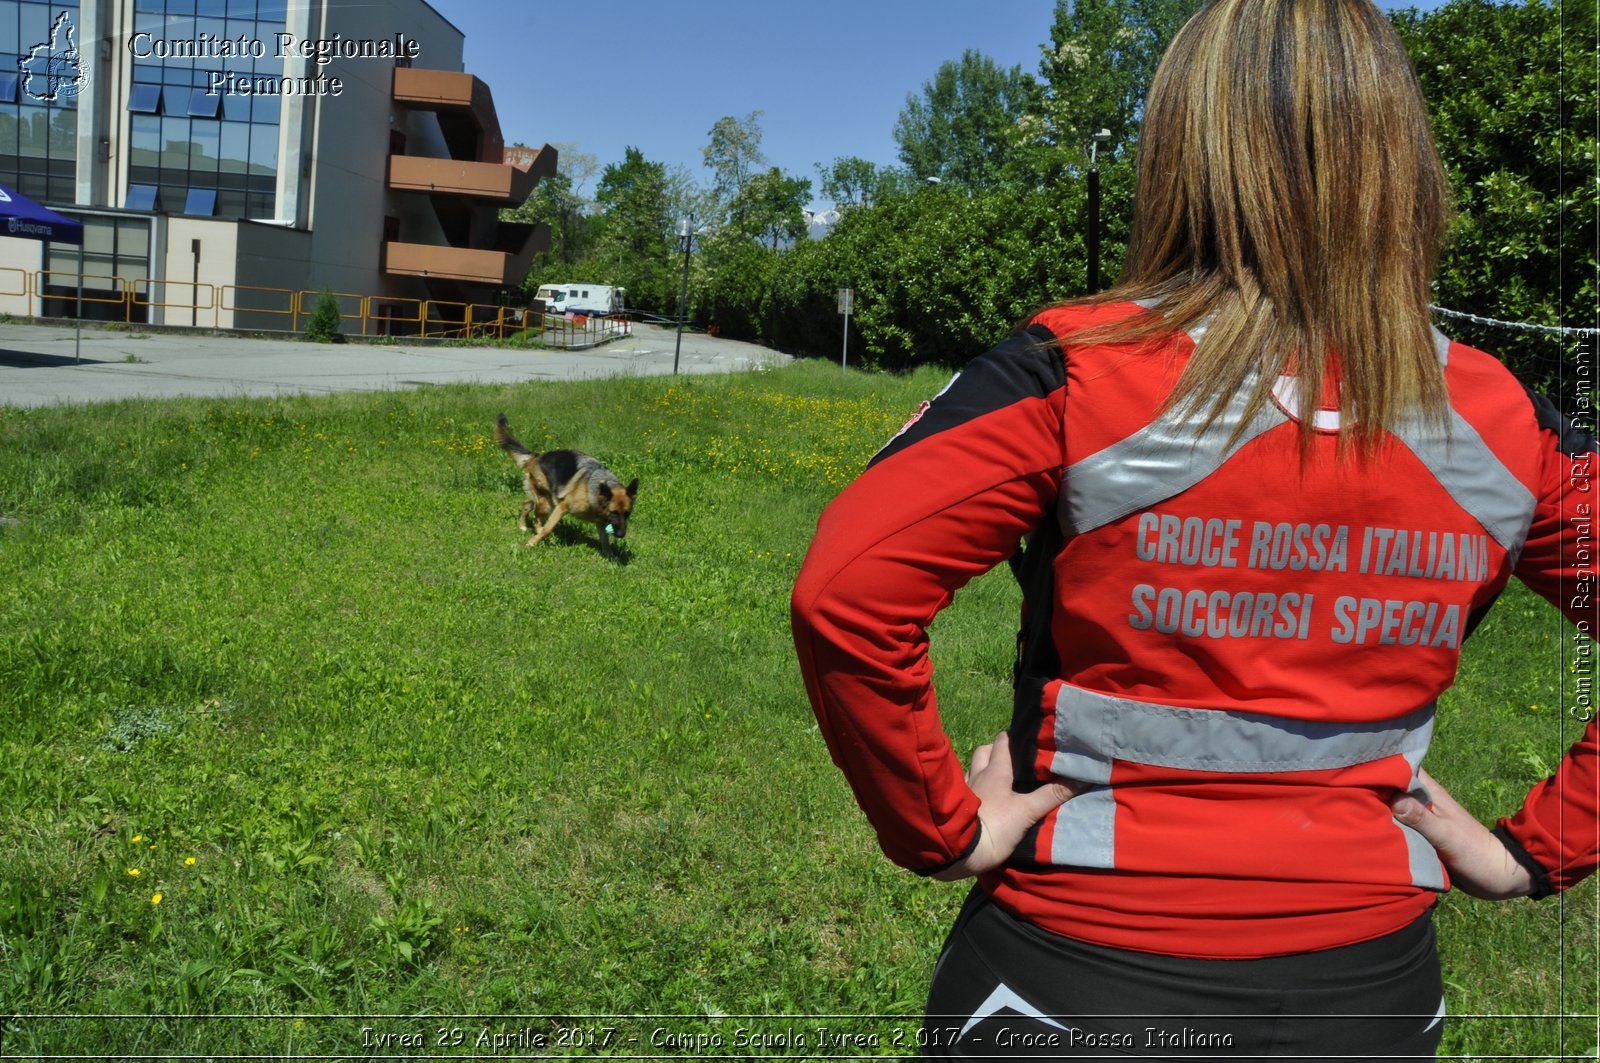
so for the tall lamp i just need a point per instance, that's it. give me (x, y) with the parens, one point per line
(1094, 210)
(686, 233)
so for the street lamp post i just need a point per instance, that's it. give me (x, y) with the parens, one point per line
(686, 234)
(1094, 210)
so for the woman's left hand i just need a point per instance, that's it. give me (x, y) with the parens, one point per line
(1004, 815)
(1479, 863)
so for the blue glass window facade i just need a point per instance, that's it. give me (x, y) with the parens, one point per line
(146, 99)
(194, 141)
(39, 119)
(201, 201)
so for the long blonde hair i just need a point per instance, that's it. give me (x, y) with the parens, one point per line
(1290, 194)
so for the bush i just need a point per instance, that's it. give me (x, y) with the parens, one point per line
(324, 324)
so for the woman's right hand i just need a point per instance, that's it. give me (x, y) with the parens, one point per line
(1004, 815)
(1479, 864)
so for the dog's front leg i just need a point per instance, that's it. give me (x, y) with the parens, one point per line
(550, 525)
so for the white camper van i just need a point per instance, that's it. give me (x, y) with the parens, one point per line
(580, 297)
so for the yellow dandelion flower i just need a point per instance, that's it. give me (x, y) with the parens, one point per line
(155, 898)
(133, 872)
(188, 861)
(137, 838)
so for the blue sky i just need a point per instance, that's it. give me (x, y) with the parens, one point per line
(830, 76)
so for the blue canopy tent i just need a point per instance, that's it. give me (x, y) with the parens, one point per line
(23, 218)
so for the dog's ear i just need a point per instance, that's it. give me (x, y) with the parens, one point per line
(605, 492)
(633, 488)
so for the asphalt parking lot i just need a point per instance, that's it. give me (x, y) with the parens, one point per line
(38, 367)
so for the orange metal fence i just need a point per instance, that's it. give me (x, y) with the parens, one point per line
(156, 290)
(443, 318)
(377, 315)
(79, 290)
(22, 279)
(253, 294)
(395, 316)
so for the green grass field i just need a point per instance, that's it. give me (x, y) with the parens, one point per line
(304, 753)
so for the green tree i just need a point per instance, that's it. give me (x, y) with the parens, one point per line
(967, 121)
(771, 207)
(685, 199)
(731, 285)
(1099, 64)
(732, 154)
(1512, 92)
(634, 231)
(849, 181)
(557, 201)
(633, 196)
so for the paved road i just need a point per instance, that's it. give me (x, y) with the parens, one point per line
(37, 369)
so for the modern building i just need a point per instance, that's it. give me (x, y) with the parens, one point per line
(231, 158)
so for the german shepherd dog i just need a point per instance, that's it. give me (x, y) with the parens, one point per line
(568, 481)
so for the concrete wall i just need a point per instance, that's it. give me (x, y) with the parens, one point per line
(197, 282)
(271, 265)
(18, 258)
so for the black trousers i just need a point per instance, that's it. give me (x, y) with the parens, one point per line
(1006, 989)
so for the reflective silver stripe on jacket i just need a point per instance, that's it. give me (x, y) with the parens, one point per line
(1166, 457)
(1475, 478)
(1093, 729)
(1171, 455)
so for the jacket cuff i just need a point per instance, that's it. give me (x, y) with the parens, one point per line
(1541, 877)
(971, 848)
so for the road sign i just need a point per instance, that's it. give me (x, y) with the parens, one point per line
(847, 303)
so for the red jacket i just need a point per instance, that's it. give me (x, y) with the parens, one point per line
(1239, 654)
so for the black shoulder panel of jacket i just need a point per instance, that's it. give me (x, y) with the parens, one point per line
(1025, 365)
(1478, 615)
(1574, 440)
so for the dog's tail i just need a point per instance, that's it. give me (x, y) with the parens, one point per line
(509, 443)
